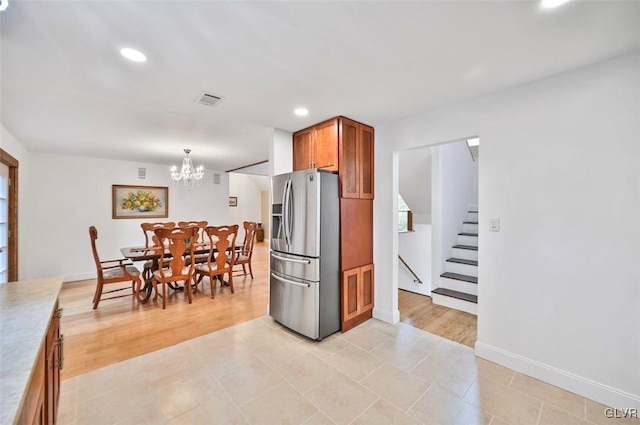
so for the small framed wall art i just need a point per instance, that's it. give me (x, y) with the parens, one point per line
(140, 201)
(233, 201)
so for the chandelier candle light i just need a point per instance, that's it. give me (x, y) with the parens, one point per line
(189, 175)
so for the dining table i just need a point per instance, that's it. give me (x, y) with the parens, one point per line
(153, 253)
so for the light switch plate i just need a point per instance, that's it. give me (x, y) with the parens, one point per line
(494, 224)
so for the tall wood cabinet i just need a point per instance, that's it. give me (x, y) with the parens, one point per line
(346, 146)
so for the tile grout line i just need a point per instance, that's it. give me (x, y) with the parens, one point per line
(365, 409)
(469, 387)
(319, 412)
(417, 400)
(371, 373)
(540, 414)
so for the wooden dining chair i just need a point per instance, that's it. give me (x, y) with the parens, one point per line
(112, 271)
(201, 239)
(150, 240)
(243, 257)
(178, 243)
(222, 240)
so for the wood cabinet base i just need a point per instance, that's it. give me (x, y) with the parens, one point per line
(357, 296)
(350, 324)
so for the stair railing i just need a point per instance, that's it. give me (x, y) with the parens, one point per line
(416, 279)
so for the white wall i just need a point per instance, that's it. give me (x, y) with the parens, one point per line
(414, 174)
(454, 190)
(415, 248)
(265, 208)
(70, 193)
(249, 199)
(560, 283)
(281, 152)
(17, 150)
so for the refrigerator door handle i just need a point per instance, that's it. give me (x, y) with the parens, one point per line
(306, 285)
(292, 260)
(285, 213)
(289, 216)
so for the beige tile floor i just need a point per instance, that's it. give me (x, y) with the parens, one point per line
(260, 373)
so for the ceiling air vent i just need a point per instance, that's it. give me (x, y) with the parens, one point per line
(208, 99)
(142, 173)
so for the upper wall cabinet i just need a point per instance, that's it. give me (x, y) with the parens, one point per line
(339, 144)
(316, 147)
(356, 159)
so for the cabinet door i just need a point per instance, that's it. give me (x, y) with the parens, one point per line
(365, 155)
(325, 141)
(302, 150)
(365, 299)
(348, 152)
(350, 289)
(33, 407)
(53, 362)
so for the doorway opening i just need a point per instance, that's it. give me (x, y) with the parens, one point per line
(439, 183)
(8, 218)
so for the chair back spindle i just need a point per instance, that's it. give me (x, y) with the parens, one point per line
(175, 239)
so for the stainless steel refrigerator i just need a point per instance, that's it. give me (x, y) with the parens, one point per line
(304, 279)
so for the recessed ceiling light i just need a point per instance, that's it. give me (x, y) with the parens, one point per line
(550, 4)
(133, 54)
(301, 112)
(473, 142)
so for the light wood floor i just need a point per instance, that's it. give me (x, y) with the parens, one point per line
(420, 312)
(122, 328)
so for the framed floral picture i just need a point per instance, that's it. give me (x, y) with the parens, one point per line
(140, 201)
(233, 201)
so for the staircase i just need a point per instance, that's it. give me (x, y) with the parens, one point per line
(458, 286)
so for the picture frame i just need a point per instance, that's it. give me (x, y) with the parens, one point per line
(129, 201)
(233, 201)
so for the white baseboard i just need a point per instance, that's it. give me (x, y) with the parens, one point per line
(388, 316)
(585, 387)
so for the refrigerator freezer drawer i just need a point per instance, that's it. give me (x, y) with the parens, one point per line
(296, 266)
(295, 304)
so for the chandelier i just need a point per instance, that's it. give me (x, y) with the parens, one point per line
(189, 175)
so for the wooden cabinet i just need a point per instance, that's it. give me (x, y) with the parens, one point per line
(357, 294)
(316, 147)
(43, 394)
(342, 145)
(33, 410)
(355, 157)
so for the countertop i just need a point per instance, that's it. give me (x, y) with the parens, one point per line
(26, 308)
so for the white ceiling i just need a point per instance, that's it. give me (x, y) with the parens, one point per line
(66, 89)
